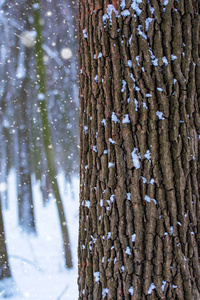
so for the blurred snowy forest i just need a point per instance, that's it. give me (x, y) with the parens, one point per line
(39, 135)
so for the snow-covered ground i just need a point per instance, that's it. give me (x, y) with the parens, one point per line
(37, 263)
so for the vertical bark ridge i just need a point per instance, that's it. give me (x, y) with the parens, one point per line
(140, 125)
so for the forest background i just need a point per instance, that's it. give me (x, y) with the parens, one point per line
(39, 149)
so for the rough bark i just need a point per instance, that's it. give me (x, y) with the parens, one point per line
(139, 234)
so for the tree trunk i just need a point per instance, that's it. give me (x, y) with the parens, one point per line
(4, 265)
(23, 116)
(47, 137)
(139, 234)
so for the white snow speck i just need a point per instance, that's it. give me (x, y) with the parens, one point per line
(135, 158)
(96, 78)
(128, 250)
(112, 198)
(135, 6)
(140, 32)
(109, 235)
(126, 119)
(171, 230)
(147, 155)
(41, 96)
(154, 60)
(159, 89)
(130, 63)
(137, 58)
(100, 55)
(125, 13)
(174, 286)
(130, 39)
(104, 122)
(86, 203)
(94, 148)
(123, 4)
(101, 202)
(114, 118)
(136, 104)
(165, 2)
(173, 57)
(165, 61)
(137, 88)
(152, 181)
(132, 77)
(85, 33)
(105, 152)
(151, 8)
(133, 237)
(148, 95)
(131, 290)
(163, 285)
(147, 198)
(144, 105)
(36, 6)
(104, 292)
(108, 16)
(111, 165)
(28, 38)
(66, 53)
(155, 202)
(144, 179)
(128, 196)
(97, 276)
(159, 114)
(147, 22)
(123, 86)
(112, 141)
(151, 288)
(86, 129)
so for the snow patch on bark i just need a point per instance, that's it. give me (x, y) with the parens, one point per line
(136, 157)
(151, 288)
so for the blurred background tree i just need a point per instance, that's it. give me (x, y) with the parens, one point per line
(38, 102)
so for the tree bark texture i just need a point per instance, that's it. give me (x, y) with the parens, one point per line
(139, 235)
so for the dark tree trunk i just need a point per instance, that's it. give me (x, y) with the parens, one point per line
(25, 199)
(139, 234)
(4, 265)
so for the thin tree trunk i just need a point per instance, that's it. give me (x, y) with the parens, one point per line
(139, 234)
(4, 265)
(22, 113)
(47, 138)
